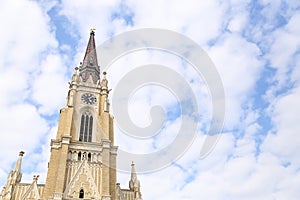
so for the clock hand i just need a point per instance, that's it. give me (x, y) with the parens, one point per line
(91, 99)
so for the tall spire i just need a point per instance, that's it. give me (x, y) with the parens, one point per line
(89, 65)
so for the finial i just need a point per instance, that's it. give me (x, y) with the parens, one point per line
(21, 153)
(92, 31)
(75, 71)
(132, 163)
(35, 177)
(104, 73)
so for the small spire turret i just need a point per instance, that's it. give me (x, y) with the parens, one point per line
(134, 183)
(104, 81)
(17, 168)
(133, 173)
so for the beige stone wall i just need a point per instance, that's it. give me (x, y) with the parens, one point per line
(62, 165)
(59, 153)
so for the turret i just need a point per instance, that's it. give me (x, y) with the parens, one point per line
(16, 172)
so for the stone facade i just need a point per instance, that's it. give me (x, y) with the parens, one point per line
(83, 155)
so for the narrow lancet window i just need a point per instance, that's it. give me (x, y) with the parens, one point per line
(81, 128)
(90, 129)
(86, 127)
(86, 124)
(79, 156)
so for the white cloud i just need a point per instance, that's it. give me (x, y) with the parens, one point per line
(20, 42)
(239, 71)
(284, 48)
(190, 17)
(23, 129)
(285, 141)
(25, 39)
(239, 16)
(50, 85)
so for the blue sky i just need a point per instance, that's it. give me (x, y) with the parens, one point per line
(255, 46)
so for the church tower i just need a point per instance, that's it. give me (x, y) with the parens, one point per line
(83, 155)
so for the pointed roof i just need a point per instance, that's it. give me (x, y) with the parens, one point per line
(90, 49)
(32, 191)
(90, 65)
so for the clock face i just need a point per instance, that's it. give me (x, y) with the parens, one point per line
(88, 98)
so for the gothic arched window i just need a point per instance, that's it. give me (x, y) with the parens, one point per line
(81, 194)
(90, 157)
(79, 156)
(86, 127)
